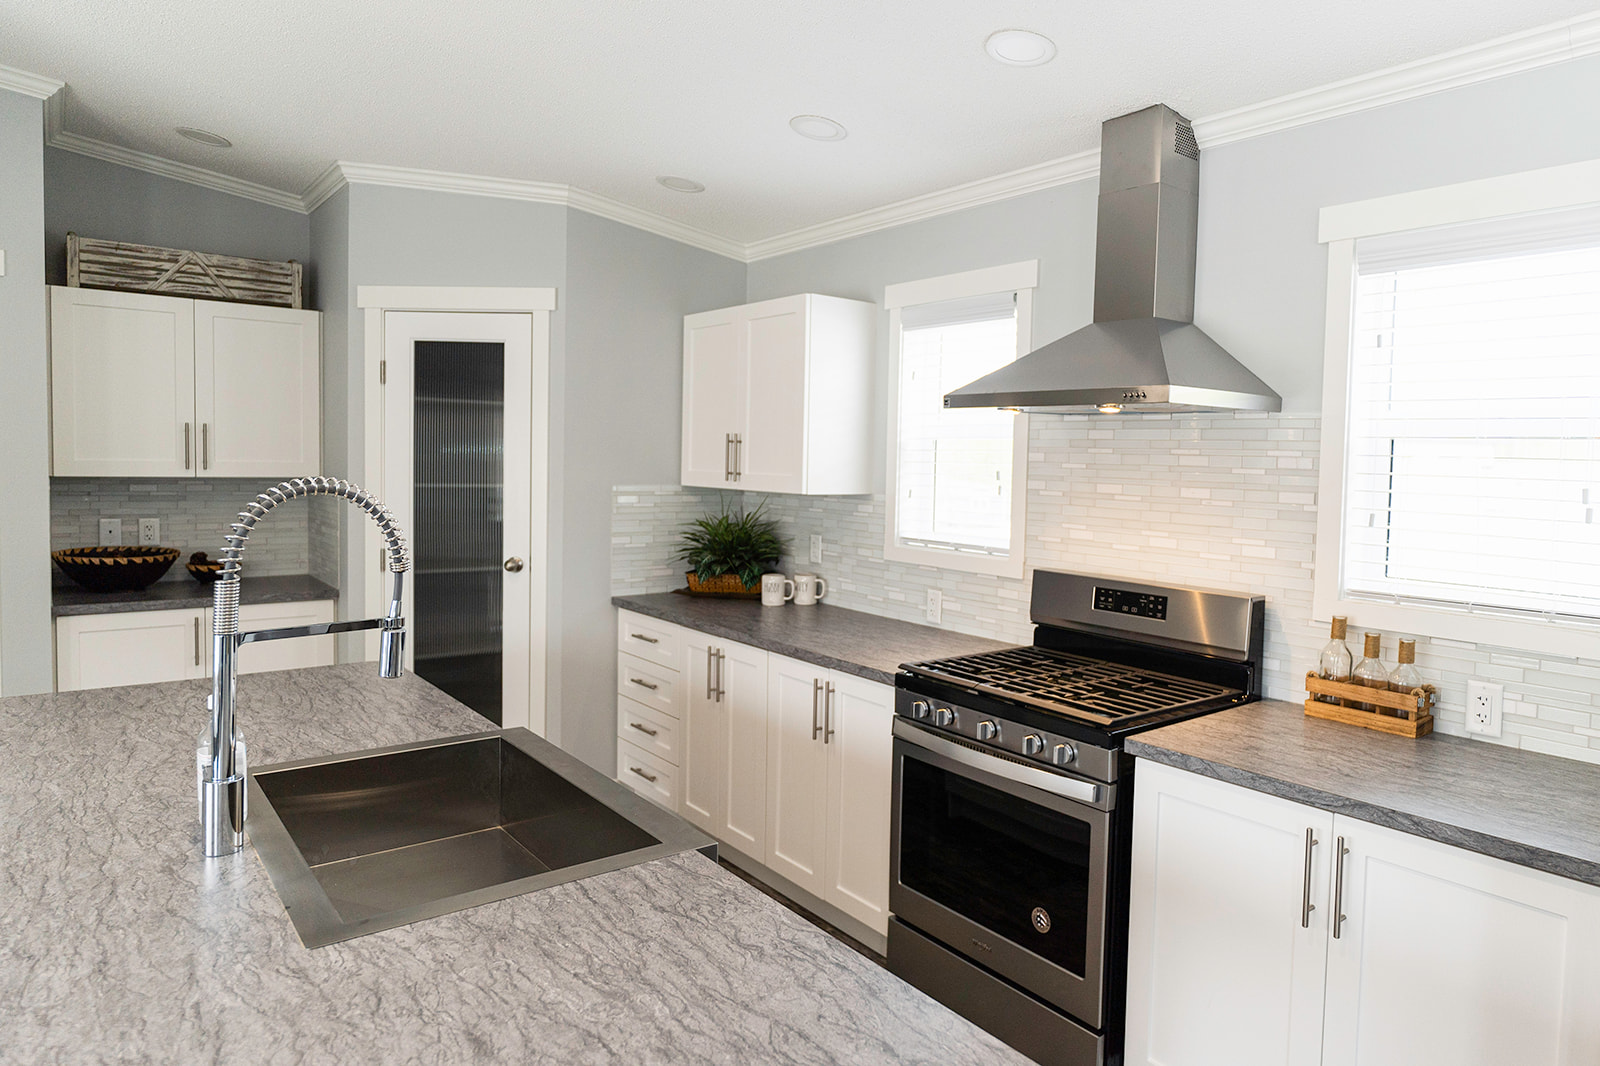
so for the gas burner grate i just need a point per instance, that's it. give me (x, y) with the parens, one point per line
(1072, 684)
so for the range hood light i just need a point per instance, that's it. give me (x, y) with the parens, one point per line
(1110, 408)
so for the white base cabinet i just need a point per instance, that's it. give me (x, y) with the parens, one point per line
(1436, 955)
(145, 647)
(725, 742)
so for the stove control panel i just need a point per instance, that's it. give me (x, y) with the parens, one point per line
(1122, 601)
(1037, 746)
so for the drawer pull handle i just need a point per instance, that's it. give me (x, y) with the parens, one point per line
(646, 730)
(642, 684)
(648, 777)
(647, 640)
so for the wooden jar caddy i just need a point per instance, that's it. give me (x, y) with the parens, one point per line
(1416, 705)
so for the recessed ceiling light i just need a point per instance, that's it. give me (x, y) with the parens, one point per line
(680, 184)
(818, 128)
(215, 140)
(1020, 48)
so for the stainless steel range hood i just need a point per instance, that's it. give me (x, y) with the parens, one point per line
(1143, 352)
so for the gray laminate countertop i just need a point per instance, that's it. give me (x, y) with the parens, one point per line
(188, 593)
(1539, 811)
(118, 942)
(833, 637)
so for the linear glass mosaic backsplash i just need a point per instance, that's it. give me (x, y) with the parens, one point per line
(1221, 501)
(195, 515)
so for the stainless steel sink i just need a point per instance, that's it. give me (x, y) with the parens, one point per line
(375, 839)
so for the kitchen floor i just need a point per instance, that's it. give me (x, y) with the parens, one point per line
(842, 937)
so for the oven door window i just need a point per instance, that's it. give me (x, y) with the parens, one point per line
(1020, 870)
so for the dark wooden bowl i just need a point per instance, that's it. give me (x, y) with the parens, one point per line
(115, 568)
(205, 573)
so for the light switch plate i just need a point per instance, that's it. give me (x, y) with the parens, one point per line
(110, 531)
(816, 547)
(149, 531)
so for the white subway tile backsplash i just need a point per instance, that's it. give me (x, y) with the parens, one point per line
(1222, 501)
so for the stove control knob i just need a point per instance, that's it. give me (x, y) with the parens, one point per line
(1032, 744)
(988, 731)
(919, 709)
(1062, 754)
(944, 717)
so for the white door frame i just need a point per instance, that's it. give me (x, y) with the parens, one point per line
(537, 303)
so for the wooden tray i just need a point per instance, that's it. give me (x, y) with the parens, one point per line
(1417, 705)
(96, 264)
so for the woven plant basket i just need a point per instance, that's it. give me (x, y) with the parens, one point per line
(721, 585)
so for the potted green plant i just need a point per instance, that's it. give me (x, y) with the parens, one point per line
(729, 552)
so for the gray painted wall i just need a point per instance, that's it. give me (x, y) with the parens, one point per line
(627, 293)
(26, 648)
(94, 198)
(1261, 274)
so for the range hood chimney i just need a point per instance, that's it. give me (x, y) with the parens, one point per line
(1143, 352)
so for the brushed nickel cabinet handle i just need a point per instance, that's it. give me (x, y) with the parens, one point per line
(738, 456)
(646, 730)
(727, 457)
(1339, 852)
(816, 695)
(722, 660)
(710, 684)
(827, 713)
(642, 683)
(648, 777)
(188, 446)
(1306, 906)
(197, 642)
(205, 446)
(647, 640)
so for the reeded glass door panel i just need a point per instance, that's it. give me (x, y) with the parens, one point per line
(459, 519)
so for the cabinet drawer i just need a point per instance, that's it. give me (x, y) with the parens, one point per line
(648, 729)
(651, 776)
(649, 684)
(659, 642)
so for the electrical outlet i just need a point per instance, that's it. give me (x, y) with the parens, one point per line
(935, 605)
(149, 531)
(1484, 707)
(816, 547)
(110, 531)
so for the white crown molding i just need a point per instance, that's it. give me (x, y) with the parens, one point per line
(959, 198)
(1569, 39)
(28, 84)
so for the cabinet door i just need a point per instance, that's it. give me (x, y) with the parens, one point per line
(772, 451)
(797, 773)
(294, 654)
(700, 742)
(742, 682)
(713, 396)
(1222, 968)
(121, 384)
(860, 780)
(133, 648)
(257, 390)
(1452, 957)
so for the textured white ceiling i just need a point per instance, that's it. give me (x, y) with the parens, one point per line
(606, 94)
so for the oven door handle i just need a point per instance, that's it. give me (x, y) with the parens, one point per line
(1055, 784)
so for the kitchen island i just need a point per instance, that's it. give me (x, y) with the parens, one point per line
(119, 942)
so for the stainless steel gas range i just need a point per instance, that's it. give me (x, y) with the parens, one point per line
(1013, 801)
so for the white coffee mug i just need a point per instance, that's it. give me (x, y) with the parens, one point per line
(808, 589)
(776, 590)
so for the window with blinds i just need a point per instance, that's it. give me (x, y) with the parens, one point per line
(954, 467)
(1473, 443)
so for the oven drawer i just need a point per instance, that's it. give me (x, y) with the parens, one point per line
(1044, 1035)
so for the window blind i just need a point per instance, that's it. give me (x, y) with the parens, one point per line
(953, 474)
(1473, 462)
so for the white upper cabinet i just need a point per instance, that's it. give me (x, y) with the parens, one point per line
(161, 386)
(257, 390)
(777, 396)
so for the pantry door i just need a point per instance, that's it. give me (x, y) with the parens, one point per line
(465, 421)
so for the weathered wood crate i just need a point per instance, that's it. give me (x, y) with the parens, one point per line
(96, 264)
(1414, 717)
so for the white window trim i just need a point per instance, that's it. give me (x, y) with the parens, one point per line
(1021, 278)
(1553, 188)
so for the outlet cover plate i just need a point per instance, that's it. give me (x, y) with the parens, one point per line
(110, 531)
(935, 606)
(149, 531)
(816, 547)
(1484, 708)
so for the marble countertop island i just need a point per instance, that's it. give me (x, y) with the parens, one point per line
(118, 942)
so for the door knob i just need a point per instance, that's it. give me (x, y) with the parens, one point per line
(513, 564)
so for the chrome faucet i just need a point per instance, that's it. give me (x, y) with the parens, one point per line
(220, 767)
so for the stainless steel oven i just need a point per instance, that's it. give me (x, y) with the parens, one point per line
(1010, 818)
